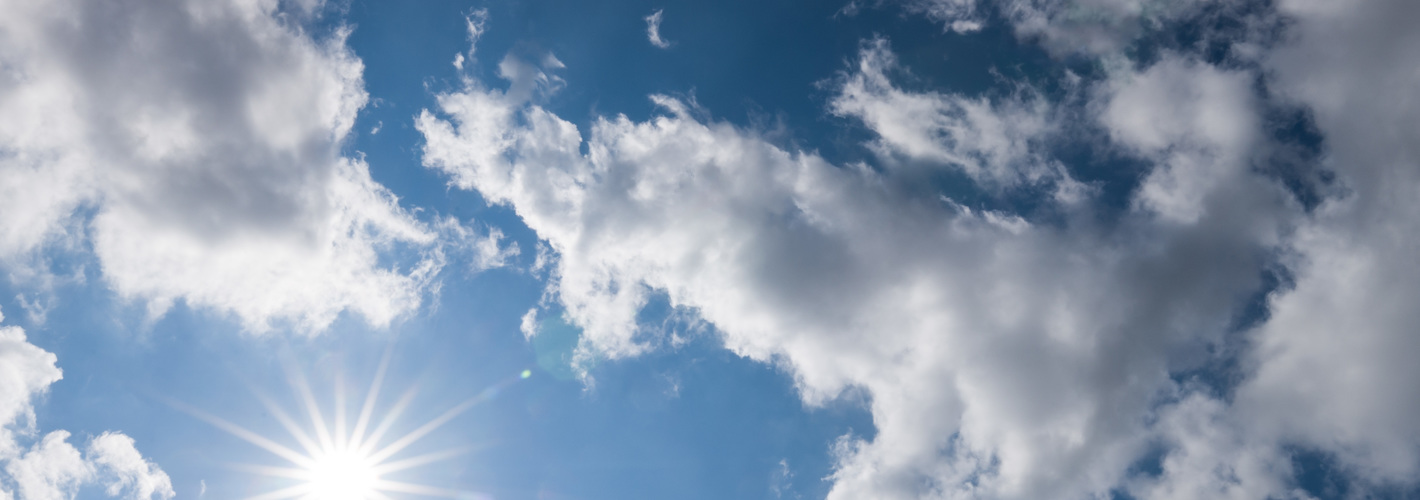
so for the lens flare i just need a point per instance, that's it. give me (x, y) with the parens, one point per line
(336, 463)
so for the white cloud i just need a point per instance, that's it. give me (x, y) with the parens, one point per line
(26, 370)
(782, 480)
(51, 468)
(1331, 369)
(1004, 359)
(996, 144)
(1210, 457)
(961, 16)
(653, 30)
(475, 23)
(486, 251)
(1198, 124)
(125, 470)
(1336, 361)
(195, 145)
(1077, 27)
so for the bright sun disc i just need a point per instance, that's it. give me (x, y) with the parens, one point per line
(342, 476)
(337, 462)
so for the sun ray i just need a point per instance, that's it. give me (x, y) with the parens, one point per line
(303, 390)
(283, 493)
(376, 495)
(357, 436)
(411, 462)
(417, 489)
(414, 435)
(267, 470)
(342, 440)
(290, 424)
(251, 437)
(388, 421)
(340, 461)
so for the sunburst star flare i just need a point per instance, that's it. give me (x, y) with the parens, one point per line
(340, 462)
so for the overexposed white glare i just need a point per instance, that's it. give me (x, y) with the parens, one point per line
(342, 474)
(334, 460)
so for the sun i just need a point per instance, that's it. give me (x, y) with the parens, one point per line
(336, 461)
(342, 475)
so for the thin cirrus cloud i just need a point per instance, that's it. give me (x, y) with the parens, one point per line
(220, 184)
(653, 30)
(1006, 357)
(49, 467)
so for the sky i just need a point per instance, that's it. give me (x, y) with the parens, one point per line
(839, 249)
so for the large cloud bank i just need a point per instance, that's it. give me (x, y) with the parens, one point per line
(195, 148)
(1074, 354)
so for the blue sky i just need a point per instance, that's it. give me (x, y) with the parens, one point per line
(899, 249)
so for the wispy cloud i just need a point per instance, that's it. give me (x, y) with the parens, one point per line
(653, 30)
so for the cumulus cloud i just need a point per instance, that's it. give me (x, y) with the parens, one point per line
(653, 30)
(195, 146)
(52, 468)
(126, 469)
(1004, 358)
(27, 370)
(1197, 123)
(1336, 369)
(1210, 456)
(1330, 369)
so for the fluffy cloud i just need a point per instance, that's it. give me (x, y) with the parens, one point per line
(1336, 369)
(26, 370)
(1199, 126)
(195, 147)
(1210, 456)
(126, 470)
(1330, 370)
(53, 469)
(1004, 358)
